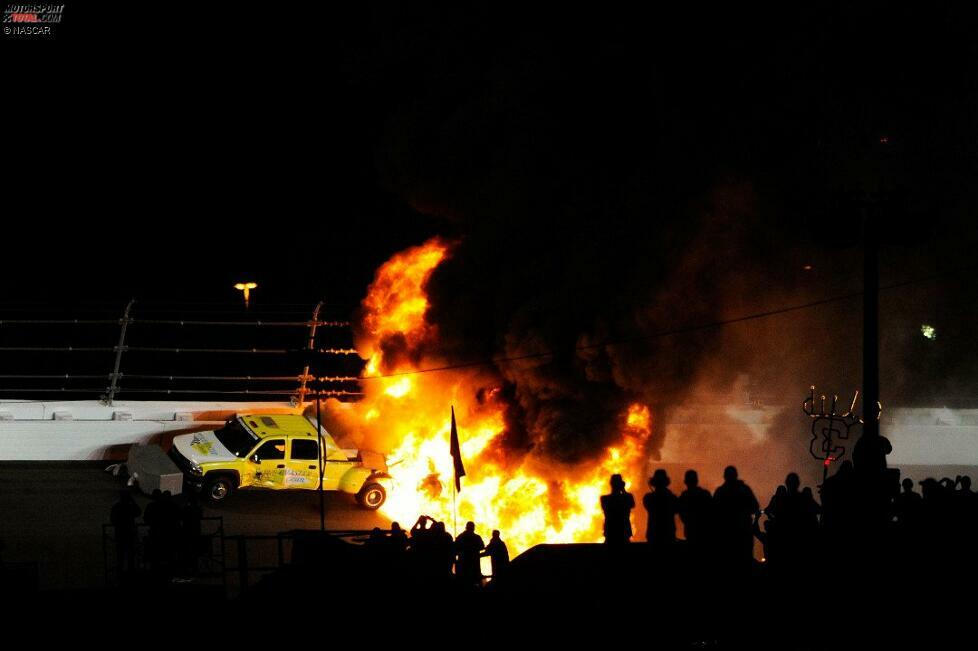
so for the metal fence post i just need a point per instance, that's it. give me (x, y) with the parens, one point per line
(242, 564)
(114, 377)
(105, 554)
(310, 346)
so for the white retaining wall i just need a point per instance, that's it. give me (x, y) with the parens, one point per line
(89, 430)
(81, 430)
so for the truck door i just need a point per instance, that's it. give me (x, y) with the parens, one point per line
(270, 457)
(302, 468)
(335, 469)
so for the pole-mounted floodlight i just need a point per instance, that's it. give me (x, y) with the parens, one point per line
(246, 289)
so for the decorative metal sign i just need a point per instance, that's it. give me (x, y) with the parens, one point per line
(830, 430)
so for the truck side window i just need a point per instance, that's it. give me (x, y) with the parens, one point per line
(271, 450)
(305, 450)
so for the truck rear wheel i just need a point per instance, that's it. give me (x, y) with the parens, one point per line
(217, 489)
(372, 496)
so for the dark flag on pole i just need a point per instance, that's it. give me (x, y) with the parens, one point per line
(457, 455)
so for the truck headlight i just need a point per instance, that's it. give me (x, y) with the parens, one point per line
(195, 470)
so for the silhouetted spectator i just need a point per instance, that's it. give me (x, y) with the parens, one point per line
(797, 510)
(498, 555)
(376, 539)
(771, 534)
(151, 517)
(420, 529)
(965, 503)
(123, 517)
(377, 551)
(966, 528)
(617, 507)
(468, 547)
(163, 517)
(735, 507)
(792, 524)
(907, 506)
(695, 507)
(869, 454)
(809, 512)
(154, 516)
(661, 504)
(421, 552)
(398, 539)
(932, 493)
(777, 505)
(190, 534)
(442, 551)
(777, 500)
(964, 494)
(937, 517)
(839, 502)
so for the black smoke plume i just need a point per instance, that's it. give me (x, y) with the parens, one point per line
(610, 179)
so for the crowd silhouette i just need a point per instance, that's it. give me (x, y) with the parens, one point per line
(431, 556)
(859, 509)
(861, 531)
(828, 556)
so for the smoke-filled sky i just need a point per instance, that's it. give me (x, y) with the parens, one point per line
(605, 175)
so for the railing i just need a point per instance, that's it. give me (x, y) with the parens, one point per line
(234, 561)
(254, 554)
(176, 357)
(208, 563)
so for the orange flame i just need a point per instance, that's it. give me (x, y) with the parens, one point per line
(529, 498)
(396, 302)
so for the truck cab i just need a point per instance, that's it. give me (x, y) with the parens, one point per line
(277, 452)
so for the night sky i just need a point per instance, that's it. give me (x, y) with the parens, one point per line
(606, 174)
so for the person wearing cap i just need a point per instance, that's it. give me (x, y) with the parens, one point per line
(661, 505)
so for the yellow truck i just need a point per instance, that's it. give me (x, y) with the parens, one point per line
(278, 452)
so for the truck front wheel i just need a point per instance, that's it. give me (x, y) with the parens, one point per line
(371, 496)
(218, 489)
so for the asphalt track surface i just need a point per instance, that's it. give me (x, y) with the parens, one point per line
(52, 514)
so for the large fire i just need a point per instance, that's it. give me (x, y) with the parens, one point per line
(530, 499)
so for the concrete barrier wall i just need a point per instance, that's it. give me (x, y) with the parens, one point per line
(89, 430)
(932, 436)
(921, 436)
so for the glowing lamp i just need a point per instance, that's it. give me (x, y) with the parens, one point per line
(928, 331)
(246, 289)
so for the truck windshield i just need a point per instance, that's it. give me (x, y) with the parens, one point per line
(236, 438)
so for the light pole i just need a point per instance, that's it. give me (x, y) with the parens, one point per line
(322, 462)
(246, 288)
